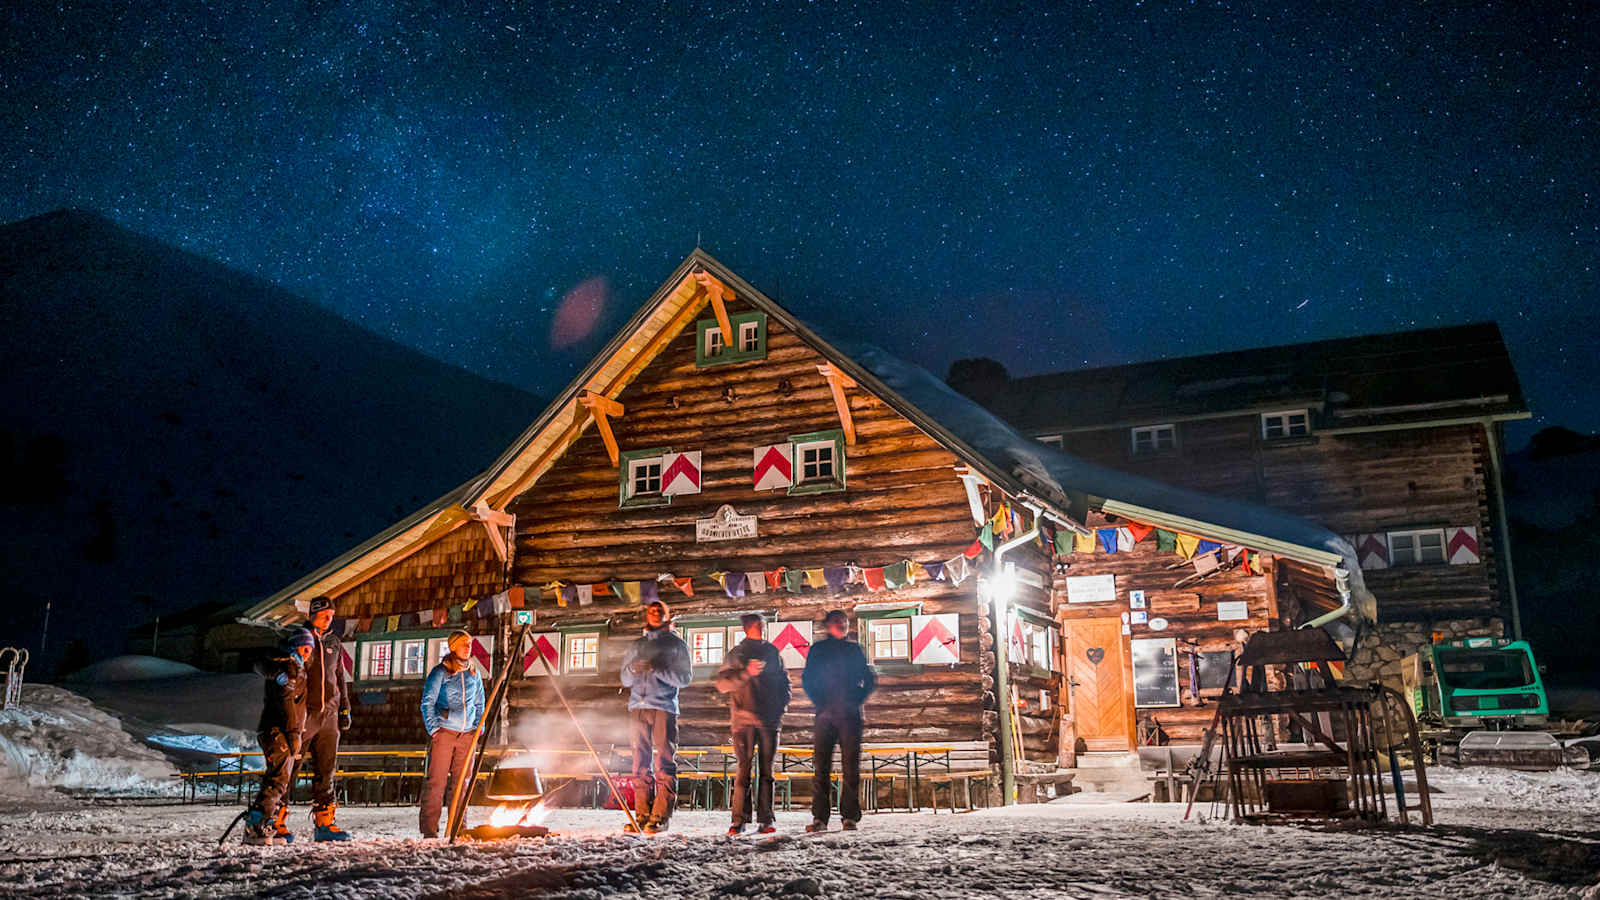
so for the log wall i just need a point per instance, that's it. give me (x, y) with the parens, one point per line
(1352, 483)
(902, 501)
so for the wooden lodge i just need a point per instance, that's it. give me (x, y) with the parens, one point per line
(720, 454)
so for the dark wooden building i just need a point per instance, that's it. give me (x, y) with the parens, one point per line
(720, 454)
(1392, 440)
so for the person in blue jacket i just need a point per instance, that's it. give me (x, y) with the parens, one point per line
(653, 669)
(452, 709)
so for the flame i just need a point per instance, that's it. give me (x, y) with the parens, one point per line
(507, 816)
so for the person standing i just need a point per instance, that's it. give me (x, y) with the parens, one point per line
(452, 709)
(838, 679)
(753, 677)
(653, 669)
(327, 714)
(283, 719)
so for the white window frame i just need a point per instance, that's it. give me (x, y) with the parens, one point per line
(400, 658)
(749, 337)
(1411, 540)
(714, 342)
(1050, 440)
(696, 659)
(437, 647)
(634, 465)
(1153, 434)
(872, 626)
(571, 638)
(1286, 427)
(1039, 647)
(369, 656)
(800, 464)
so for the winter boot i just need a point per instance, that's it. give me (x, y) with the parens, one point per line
(326, 830)
(280, 824)
(258, 831)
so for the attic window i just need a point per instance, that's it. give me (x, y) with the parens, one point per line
(712, 347)
(1289, 423)
(1153, 439)
(1416, 548)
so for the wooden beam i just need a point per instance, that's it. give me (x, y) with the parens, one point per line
(496, 539)
(719, 295)
(483, 513)
(837, 382)
(603, 408)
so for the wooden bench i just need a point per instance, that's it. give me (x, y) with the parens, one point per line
(1055, 780)
(963, 777)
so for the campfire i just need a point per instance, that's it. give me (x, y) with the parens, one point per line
(521, 810)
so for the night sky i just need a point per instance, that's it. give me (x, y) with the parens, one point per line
(1053, 189)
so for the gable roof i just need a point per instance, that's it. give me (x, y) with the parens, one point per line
(1461, 371)
(1022, 468)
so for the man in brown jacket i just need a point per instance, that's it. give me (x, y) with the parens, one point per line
(753, 677)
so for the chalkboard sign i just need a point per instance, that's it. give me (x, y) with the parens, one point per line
(1155, 672)
(1215, 666)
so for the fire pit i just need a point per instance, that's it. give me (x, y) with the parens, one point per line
(518, 789)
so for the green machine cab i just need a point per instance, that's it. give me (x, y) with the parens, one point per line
(1477, 683)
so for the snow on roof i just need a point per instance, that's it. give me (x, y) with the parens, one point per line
(1063, 473)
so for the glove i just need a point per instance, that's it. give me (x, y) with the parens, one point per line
(344, 720)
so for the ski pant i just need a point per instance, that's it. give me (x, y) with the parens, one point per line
(447, 760)
(321, 743)
(841, 729)
(760, 742)
(277, 776)
(655, 764)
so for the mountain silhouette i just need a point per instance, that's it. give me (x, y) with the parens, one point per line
(176, 432)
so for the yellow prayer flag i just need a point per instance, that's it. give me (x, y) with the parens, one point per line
(814, 578)
(1187, 544)
(915, 570)
(1083, 543)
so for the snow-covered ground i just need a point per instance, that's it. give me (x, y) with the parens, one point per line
(57, 739)
(1500, 834)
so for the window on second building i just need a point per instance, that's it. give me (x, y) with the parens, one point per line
(377, 659)
(1153, 438)
(819, 464)
(413, 658)
(1289, 423)
(749, 341)
(1416, 547)
(707, 646)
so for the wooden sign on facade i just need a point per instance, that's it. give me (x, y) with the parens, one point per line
(1091, 588)
(724, 525)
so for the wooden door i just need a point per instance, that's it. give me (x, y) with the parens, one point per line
(1101, 682)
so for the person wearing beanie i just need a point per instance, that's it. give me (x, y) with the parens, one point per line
(653, 669)
(279, 731)
(838, 679)
(327, 714)
(452, 710)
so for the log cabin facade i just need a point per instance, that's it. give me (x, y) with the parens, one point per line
(1393, 440)
(783, 473)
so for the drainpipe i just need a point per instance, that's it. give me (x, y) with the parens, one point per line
(1503, 538)
(1001, 587)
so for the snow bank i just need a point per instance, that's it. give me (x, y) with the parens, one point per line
(131, 668)
(57, 739)
(1565, 789)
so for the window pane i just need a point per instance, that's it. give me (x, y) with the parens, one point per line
(1166, 439)
(749, 337)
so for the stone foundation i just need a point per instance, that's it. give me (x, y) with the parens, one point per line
(1380, 650)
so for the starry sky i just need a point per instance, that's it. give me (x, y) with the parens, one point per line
(1052, 186)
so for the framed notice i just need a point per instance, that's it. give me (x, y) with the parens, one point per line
(1136, 600)
(1091, 588)
(1232, 610)
(1155, 672)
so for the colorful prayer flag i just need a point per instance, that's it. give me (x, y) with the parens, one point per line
(1124, 539)
(585, 593)
(836, 577)
(1139, 531)
(756, 582)
(1108, 539)
(973, 549)
(1082, 543)
(518, 597)
(934, 570)
(874, 578)
(957, 569)
(685, 583)
(1166, 541)
(1206, 546)
(794, 580)
(986, 536)
(1187, 544)
(815, 578)
(775, 578)
(897, 575)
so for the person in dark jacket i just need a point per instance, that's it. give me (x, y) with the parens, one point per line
(653, 669)
(753, 677)
(838, 679)
(327, 714)
(283, 719)
(452, 709)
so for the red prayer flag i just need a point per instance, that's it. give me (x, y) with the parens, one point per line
(1139, 531)
(517, 599)
(873, 578)
(685, 584)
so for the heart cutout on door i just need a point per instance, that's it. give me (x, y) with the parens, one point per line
(1095, 654)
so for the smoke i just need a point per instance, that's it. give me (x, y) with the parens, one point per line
(554, 746)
